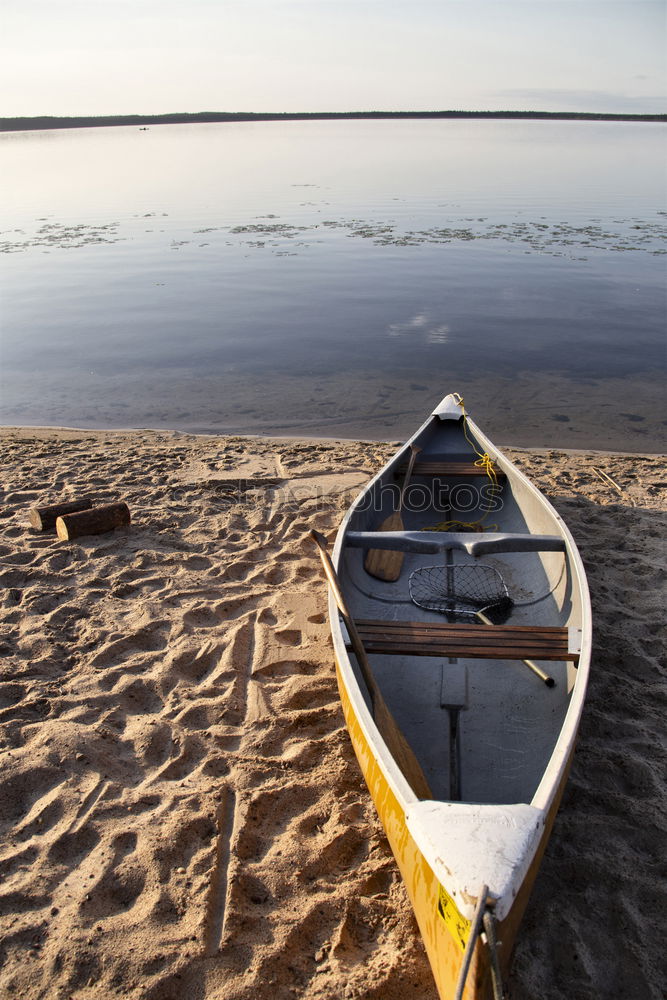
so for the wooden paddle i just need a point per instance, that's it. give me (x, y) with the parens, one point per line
(396, 742)
(547, 678)
(386, 564)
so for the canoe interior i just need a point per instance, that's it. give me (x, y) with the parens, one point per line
(495, 748)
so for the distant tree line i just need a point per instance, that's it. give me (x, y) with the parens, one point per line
(104, 121)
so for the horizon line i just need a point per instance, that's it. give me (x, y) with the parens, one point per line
(28, 122)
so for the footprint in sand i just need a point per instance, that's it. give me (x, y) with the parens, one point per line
(121, 883)
(11, 694)
(288, 637)
(43, 816)
(267, 617)
(72, 849)
(194, 662)
(119, 647)
(139, 697)
(200, 717)
(285, 668)
(24, 788)
(156, 748)
(187, 761)
(201, 616)
(187, 846)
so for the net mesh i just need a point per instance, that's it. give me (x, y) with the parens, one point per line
(460, 590)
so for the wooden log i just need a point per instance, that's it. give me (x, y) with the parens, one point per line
(93, 522)
(44, 518)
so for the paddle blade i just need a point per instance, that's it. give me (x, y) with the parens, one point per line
(383, 563)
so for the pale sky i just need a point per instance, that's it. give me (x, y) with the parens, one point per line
(98, 57)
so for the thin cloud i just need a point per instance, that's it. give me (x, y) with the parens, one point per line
(548, 99)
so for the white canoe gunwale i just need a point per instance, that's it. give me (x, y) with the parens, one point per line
(432, 839)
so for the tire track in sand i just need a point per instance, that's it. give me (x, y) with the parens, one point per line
(217, 898)
(226, 821)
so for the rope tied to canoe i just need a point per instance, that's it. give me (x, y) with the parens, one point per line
(483, 928)
(484, 462)
(489, 922)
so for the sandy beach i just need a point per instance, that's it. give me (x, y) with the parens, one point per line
(182, 814)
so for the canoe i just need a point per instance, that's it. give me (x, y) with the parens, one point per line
(462, 684)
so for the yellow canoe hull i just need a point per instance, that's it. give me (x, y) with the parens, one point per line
(442, 928)
(454, 841)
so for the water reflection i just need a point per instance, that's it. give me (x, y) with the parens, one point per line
(137, 265)
(421, 327)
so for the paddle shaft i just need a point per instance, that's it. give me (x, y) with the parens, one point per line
(396, 742)
(414, 451)
(547, 678)
(357, 644)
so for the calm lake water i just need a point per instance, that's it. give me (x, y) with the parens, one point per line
(338, 278)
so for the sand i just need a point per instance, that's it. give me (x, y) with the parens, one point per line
(181, 812)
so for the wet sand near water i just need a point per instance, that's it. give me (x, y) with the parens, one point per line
(527, 411)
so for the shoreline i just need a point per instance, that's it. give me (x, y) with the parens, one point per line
(46, 122)
(306, 439)
(549, 411)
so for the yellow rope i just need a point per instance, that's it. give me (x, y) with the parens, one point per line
(485, 462)
(469, 525)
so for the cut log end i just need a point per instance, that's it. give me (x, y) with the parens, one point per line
(44, 518)
(96, 521)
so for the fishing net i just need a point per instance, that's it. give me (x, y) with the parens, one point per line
(461, 590)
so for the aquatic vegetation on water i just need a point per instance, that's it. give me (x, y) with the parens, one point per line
(59, 235)
(554, 238)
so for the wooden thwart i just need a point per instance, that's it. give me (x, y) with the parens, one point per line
(453, 469)
(501, 642)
